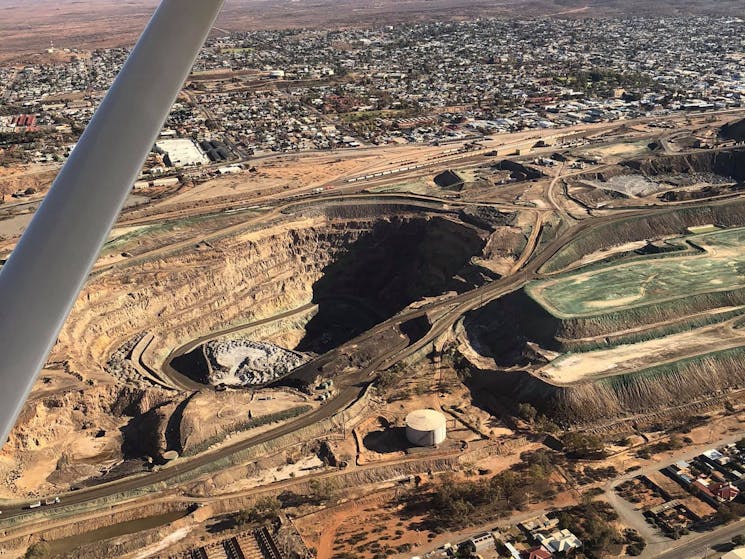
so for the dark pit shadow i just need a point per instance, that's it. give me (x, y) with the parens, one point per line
(386, 441)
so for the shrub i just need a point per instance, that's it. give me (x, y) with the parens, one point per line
(39, 550)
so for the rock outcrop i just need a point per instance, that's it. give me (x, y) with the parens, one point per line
(249, 363)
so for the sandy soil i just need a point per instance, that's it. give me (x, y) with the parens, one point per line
(380, 519)
(288, 173)
(60, 440)
(222, 411)
(164, 544)
(601, 254)
(621, 150)
(304, 467)
(21, 177)
(595, 364)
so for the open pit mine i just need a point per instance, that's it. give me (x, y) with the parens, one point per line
(265, 345)
(328, 272)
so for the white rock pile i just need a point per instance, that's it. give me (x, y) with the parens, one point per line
(249, 363)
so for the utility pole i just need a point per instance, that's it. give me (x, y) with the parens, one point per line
(343, 425)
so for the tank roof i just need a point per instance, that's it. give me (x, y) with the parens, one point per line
(425, 420)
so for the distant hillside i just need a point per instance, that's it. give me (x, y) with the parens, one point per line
(29, 26)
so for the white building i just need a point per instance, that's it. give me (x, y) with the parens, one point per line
(561, 541)
(182, 152)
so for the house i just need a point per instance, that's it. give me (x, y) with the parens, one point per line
(538, 553)
(483, 542)
(561, 542)
(724, 492)
(702, 486)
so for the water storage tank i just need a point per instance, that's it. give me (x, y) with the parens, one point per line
(426, 428)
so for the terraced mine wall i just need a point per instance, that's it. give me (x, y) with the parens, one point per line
(501, 329)
(734, 131)
(504, 329)
(726, 163)
(380, 257)
(652, 226)
(384, 258)
(571, 331)
(612, 398)
(370, 276)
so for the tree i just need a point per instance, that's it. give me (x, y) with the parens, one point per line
(322, 490)
(739, 539)
(545, 425)
(264, 509)
(583, 445)
(725, 514)
(39, 550)
(527, 412)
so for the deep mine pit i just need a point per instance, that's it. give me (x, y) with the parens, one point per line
(367, 278)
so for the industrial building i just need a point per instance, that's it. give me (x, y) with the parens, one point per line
(426, 427)
(181, 152)
(216, 151)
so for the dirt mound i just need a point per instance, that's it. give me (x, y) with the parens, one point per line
(518, 171)
(449, 180)
(245, 362)
(728, 163)
(733, 131)
(487, 217)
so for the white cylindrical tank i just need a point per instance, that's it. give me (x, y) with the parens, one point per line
(426, 428)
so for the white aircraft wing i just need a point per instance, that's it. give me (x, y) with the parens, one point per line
(45, 273)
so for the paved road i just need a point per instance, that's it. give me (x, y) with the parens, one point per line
(700, 545)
